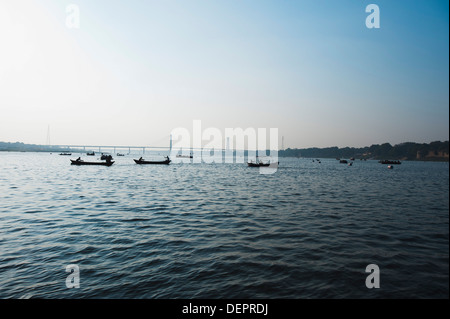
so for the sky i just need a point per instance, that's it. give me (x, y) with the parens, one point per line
(133, 71)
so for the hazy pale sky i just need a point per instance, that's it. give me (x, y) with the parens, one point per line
(135, 70)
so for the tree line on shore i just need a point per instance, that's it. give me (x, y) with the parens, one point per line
(437, 151)
(21, 147)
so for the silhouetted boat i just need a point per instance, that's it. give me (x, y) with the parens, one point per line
(120, 154)
(142, 161)
(260, 164)
(343, 161)
(185, 156)
(90, 153)
(390, 162)
(66, 154)
(81, 162)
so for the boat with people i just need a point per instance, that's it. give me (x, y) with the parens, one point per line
(259, 163)
(80, 162)
(105, 156)
(65, 154)
(390, 162)
(166, 161)
(90, 153)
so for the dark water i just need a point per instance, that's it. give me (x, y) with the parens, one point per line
(222, 230)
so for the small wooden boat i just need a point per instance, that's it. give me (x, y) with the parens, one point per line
(260, 164)
(390, 162)
(81, 162)
(181, 155)
(142, 161)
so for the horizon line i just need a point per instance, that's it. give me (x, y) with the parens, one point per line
(196, 148)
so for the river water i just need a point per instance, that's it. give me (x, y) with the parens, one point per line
(222, 230)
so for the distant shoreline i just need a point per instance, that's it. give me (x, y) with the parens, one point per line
(436, 159)
(434, 151)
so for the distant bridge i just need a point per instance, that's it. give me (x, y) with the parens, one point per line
(114, 148)
(110, 147)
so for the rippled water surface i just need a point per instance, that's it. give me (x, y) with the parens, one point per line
(222, 230)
